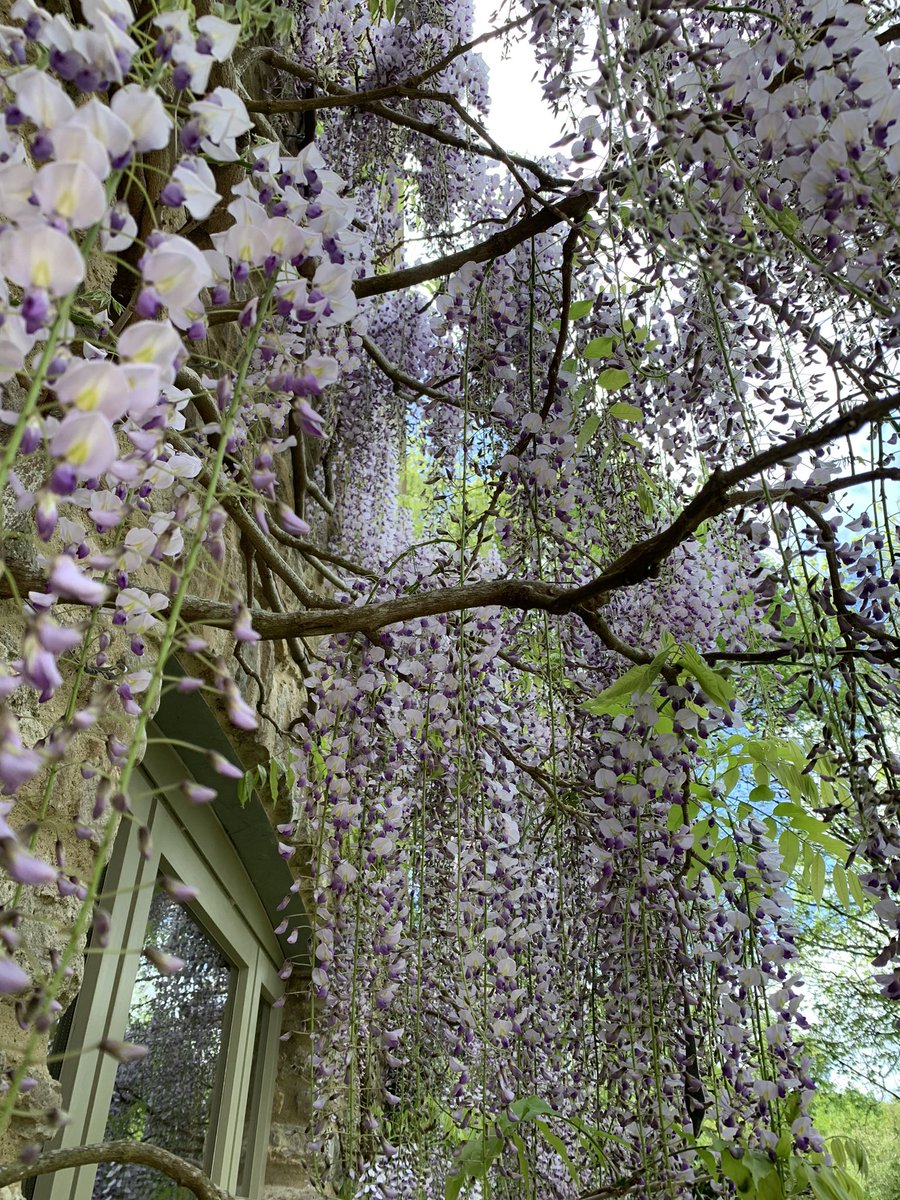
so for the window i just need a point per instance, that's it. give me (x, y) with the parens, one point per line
(204, 1090)
(169, 1097)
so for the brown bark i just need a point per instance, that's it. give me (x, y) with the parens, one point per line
(185, 1174)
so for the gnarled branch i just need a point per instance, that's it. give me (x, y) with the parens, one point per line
(573, 208)
(634, 566)
(185, 1174)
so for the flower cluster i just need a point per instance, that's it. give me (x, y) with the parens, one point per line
(525, 884)
(120, 491)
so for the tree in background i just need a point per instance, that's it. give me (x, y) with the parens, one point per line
(567, 485)
(871, 1124)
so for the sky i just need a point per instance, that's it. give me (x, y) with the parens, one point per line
(519, 120)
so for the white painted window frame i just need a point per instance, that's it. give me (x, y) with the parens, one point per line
(188, 843)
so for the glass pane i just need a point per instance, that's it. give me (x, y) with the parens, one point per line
(167, 1097)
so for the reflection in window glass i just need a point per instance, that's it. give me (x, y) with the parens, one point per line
(167, 1098)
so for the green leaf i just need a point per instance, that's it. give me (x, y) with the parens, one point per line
(789, 846)
(616, 697)
(580, 308)
(709, 1161)
(529, 1107)
(761, 794)
(764, 1174)
(473, 1162)
(769, 1187)
(453, 1186)
(479, 1152)
(594, 1134)
(523, 1162)
(833, 1183)
(674, 818)
(622, 411)
(734, 1169)
(816, 831)
(588, 429)
(841, 887)
(817, 878)
(273, 778)
(612, 379)
(849, 1152)
(592, 1139)
(856, 890)
(715, 685)
(243, 790)
(789, 777)
(557, 1144)
(601, 347)
(785, 220)
(760, 774)
(729, 780)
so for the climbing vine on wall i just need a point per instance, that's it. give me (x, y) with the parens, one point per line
(568, 487)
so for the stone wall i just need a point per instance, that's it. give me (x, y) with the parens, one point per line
(58, 802)
(48, 916)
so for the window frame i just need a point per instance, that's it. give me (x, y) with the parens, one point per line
(190, 843)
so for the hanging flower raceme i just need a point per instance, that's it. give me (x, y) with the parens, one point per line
(528, 915)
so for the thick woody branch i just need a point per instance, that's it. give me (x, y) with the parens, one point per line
(280, 62)
(372, 101)
(436, 133)
(634, 566)
(816, 492)
(311, 550)
(642, 560)
(270, 591)
(429, 129)
(462, 48)
(573, 208)
(495, 150)
(568, 262)
(185, 1174)
(796, 656)
(254, 535)
(401, 379)
(368, 618)
(847, 617)
(319, 496)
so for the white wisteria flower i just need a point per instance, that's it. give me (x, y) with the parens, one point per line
(71, 191)
(41, 257)
(145, 115)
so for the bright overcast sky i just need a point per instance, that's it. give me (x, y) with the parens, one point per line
(519, 119)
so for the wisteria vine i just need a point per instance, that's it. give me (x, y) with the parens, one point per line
(567, 488)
